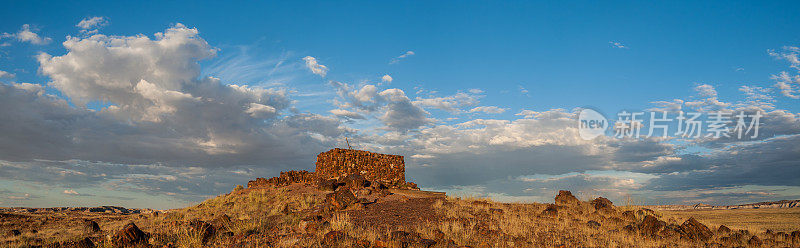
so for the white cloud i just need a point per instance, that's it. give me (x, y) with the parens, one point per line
(386, 78)
(616, 44)
(404, 55)
(453, 103)
(347, 113)
(488, 109)
(5, 74)
(28, 34)
(315, 67)
(92, 23)
(70, 192)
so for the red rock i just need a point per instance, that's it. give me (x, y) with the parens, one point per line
(91, 226)
(340, 199)
(695, 230)
(205, 230)
(723, 229)
(565, 197)
(755, 241)
(334, 239)
(129, 235)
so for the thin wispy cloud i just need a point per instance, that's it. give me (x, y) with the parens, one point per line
(403, 56)
(616, 44)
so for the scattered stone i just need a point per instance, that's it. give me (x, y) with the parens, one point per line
(695, 230)
(755, 241)
(355, 181)
(90, 226)
(340, 199)
(723, 229)
(205, 230)
(14, 232)
(602, 203)
(795, 237)
(629, 215)
(328, 184)
(550, 210)
(593, 224)
(651, 225)
(565, 197)
(495, 211)
(129, 235)
(83, 243)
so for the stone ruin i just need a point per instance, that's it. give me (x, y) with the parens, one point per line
(337, 164)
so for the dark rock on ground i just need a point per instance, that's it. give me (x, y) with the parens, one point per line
(651, 225)
(129, 235)
(340, 199)
(14, 232)
(327, 184)
(565, 197)
(593, 224)
(90, 226)
(602, 203)
(550, 210)
(205, 230)
(755, 241)
(723, 229)
(695, 230)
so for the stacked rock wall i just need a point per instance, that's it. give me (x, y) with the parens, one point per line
(336, 163)
(285, 178)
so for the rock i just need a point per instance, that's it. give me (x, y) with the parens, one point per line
(565, 197)
(593, 224)
(205, 230)
(355, 181)
(629, 215)
(651, 225)
(14, 232)
(795, 237)
(755, 241)
(334, 239)
(602, 203)
(495, 211)
(129, 235)
(723, 229)
(222, 222)
(83, 243)
(90, 226)
(695, 230)
(550, 210)
(327, 184)
(340, 199)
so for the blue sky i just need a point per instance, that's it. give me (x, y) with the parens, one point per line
(469, 72)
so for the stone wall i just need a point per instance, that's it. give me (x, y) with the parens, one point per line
(285, 178)
(336, 163)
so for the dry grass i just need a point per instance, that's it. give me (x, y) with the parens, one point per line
(754, 220)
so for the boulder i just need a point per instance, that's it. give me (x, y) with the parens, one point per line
(550, 210)
(723, 229)
(593, 224)
(565, 197)
(202, 228)
(340, 199)
(651, 225)
(129, 235)
(795, 237)
(327, 184)
(355, 181)
(755, 241)
(334, 239)
(694, 230)
(602, 203)
(90, 226)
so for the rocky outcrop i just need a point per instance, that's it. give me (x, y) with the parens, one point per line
(90, 226)
(284, 179)
(565, 197)
(695, 230)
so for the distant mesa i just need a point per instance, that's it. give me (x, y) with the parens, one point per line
(337, 164)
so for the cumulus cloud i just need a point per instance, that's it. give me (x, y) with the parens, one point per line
(70, 192)
(5, 74)
(27, 33)
(787, 83)
(91, 24)
(386, 78)
(315, 67)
